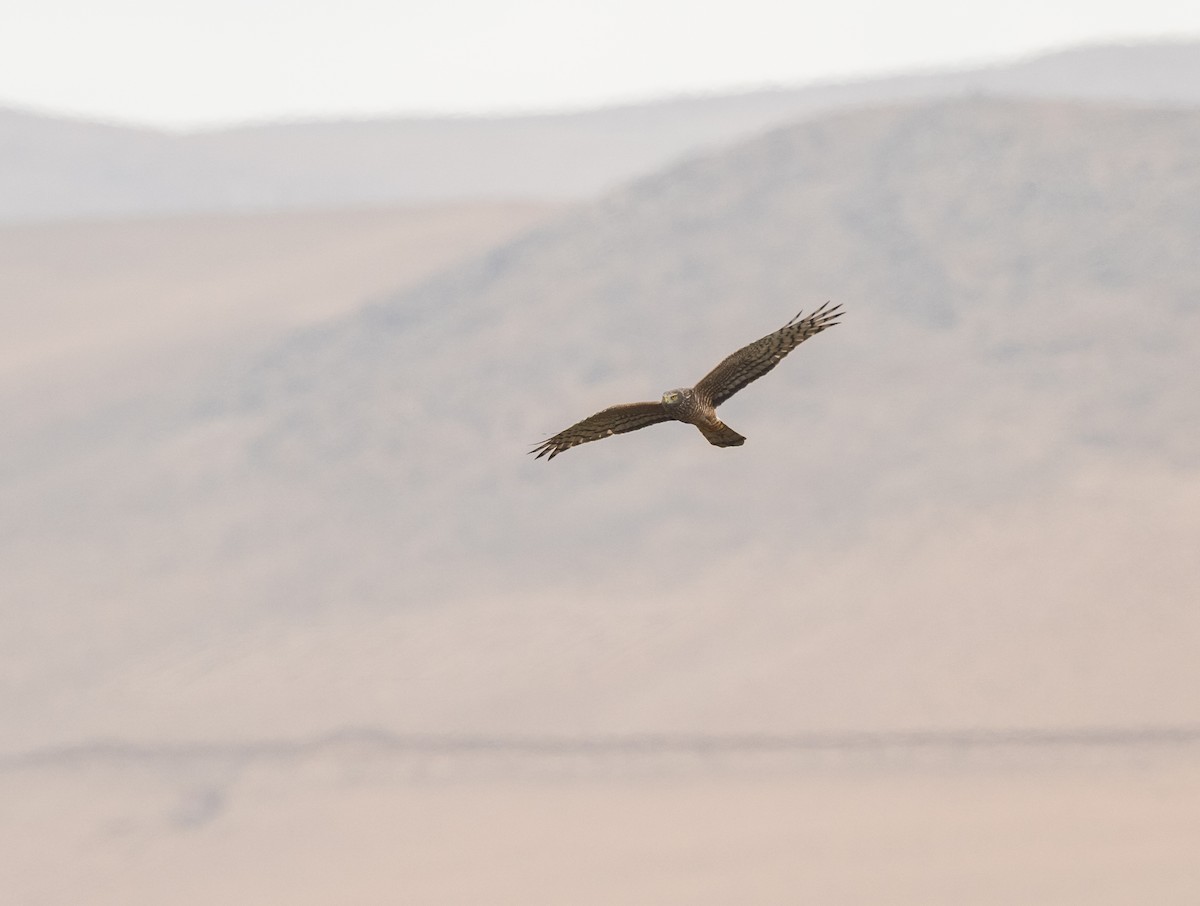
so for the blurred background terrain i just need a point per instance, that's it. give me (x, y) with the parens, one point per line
(284, 594)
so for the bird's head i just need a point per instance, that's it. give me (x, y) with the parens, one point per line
(672, 398)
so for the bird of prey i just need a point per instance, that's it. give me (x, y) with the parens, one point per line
(697, 405)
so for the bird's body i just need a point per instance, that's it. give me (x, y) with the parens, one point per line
(697, 405)
(686, 405)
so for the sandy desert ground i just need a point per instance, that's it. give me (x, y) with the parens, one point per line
(1100, 825)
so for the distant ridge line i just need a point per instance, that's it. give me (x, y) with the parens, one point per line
(55, 168)
(643, 744)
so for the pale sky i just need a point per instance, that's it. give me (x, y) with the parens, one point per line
(187, 64)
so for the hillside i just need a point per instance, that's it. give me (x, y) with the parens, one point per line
(60, 169)
(95, 306)
(971, 505)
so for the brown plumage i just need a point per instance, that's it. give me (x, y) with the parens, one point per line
(697, 405)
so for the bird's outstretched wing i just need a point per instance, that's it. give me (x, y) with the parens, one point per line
(613, 420)
(751, 362)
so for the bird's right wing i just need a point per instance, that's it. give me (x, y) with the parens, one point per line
(613, 420)
(753, 361)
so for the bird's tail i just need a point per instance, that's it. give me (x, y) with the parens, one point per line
(721, 435)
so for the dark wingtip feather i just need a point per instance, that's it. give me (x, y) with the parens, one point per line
(824, 315)
(547, 446)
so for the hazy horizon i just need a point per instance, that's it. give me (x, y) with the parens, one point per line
(556, 62)
(649, 97)
(61, 170)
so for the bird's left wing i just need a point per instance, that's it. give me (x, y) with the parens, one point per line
(613, 420)
(751, 362)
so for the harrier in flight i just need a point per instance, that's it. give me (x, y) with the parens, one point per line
(697, 405)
